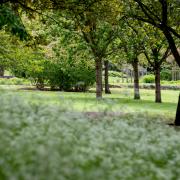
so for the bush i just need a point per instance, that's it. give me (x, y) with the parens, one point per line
(166, 75)
(77, 76)
(71, 68)
(148, 78)
(74, 76)
(60, 74)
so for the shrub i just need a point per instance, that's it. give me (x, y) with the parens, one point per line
(60, 74)
(166, 75)
(77, 76)
(148, 78)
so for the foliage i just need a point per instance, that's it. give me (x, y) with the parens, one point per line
(77, 76)
(148, 78)
(166, 75)
(14, 81)
(171, 82)
(11, 22)
(156, 48)
(13, 52)
(69, 68)
(96, 22)
(74, 75)
(47, 142)
(131, 40)
(163, 15)
(115, 74)
(6, 48)
(73, 61)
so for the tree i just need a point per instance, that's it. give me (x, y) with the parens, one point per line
(156, 50)
(4, 49)
(95, 21)
(9, 45)
(65, 62)
(11, 22)
(132, 44)
(161, 14)
(177, 120)
(98, 30)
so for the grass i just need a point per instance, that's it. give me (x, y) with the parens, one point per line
(121, 100)
(115, 80)
(48, 135)
(14, 81)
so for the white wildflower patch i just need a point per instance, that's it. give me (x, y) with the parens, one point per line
(53, 142)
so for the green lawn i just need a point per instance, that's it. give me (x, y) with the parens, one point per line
(121, 100)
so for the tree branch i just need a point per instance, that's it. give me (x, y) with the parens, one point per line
(166, 54)
(173, 32)
(164, 11)
(147, 57)
(147, 11)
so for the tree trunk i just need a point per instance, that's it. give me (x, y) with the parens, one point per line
(106, 77)
(99, 79)
(1, 71)
(177, 120)
(40, 84)
(136, 79)
(176, 55)
(172, 46)
(158, 84)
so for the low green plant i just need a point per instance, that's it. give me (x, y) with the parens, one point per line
(166, 75)
(148, 78)
(171, 82)
(14, 81)
(41, 141)
(70, 76)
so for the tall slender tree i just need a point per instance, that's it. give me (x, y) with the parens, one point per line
(132, 43)
(156, 50)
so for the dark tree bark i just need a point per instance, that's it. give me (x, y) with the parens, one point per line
(99, 79)
(172, 46)
(136, 79)
(157, 84)
(1, 71)
(106, 77)
(177, 120)
(177, 59)
(176, 55)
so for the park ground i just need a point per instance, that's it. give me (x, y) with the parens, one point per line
(67, 135)
(121, 100)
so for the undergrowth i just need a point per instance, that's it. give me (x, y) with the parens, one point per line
(14, 81)
(41, 141)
